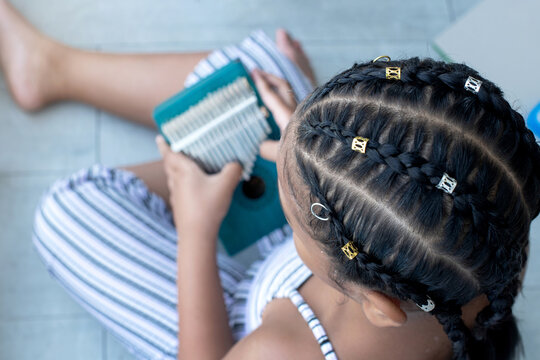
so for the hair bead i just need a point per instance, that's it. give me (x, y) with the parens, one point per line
(359, 144)
(393, 73)
(473, 84)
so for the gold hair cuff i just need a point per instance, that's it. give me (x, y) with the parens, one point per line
(393, 73)
(382, 57)
(359, 144)
(350, 250)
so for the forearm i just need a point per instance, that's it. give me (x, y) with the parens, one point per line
(203, 322)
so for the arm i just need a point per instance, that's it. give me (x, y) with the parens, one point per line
(204, 328)
(199, 202)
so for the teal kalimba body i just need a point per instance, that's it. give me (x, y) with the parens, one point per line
(218, 120)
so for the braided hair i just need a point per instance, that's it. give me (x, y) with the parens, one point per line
(415, 241)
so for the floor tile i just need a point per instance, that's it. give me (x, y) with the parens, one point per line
(329, 60)
(114, 350)
(51, 339)
(125, 143)
(72, 22)
(532, 277)
(526, 311)
(58, 138)
(26, 289)
(201, 21)
(458, 8)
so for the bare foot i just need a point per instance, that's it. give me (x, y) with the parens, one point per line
(27, 59)
(293, 50)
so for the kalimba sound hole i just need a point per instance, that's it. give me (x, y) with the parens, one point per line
(254, 188)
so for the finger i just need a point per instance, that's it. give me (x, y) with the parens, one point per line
(275, 80)
(269, 150)
(269, 97)
(163, 148)
(229, 176)
(283, 87)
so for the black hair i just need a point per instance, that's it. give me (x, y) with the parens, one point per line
(417, 242)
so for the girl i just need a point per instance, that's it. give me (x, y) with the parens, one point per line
(409, 186)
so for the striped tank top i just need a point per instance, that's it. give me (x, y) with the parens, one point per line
(279, 275)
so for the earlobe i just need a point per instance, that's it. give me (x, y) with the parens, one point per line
(383, 311)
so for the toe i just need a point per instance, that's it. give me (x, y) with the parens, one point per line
(283, 37)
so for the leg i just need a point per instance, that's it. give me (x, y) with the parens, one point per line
(40, 71)
(112, 245)
(153, 175)
(127, 85)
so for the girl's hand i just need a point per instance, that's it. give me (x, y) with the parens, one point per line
(278, 96)
(199, 201)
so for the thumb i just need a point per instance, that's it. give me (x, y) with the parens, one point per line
(229, 176)
(269, 150)
(269, 97)
(163, 148)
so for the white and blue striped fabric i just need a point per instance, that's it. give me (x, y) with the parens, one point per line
(314, 324)
(111, 243)
(255, 51)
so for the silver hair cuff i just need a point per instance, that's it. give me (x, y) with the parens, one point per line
(447, 184)
(473, 85)
(318, 216)
(428, 306)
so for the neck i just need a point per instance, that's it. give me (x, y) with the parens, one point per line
(355, 337)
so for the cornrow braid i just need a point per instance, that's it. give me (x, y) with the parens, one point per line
(367, 265)
(466, 197)
(415, 240)
(373, 273)
(453, 77)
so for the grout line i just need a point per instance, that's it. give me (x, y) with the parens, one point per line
(147, 45)
(451, 10)
(21, 173)
(55, 317)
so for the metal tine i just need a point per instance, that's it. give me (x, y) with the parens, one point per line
(239, 137)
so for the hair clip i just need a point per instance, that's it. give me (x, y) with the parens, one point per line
(447, 184)
(382, 57)
(350, 250)
(359, 144)
(393, 73)
(473, 85)
(318, 216)
(428, 306)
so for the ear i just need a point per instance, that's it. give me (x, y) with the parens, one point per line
(382, 310)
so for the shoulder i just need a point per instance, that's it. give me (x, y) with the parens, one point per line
(264, 343)
(267, 343)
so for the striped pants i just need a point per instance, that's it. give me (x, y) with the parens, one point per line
(111, 243)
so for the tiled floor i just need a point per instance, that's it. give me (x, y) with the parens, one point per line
(38, 320)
